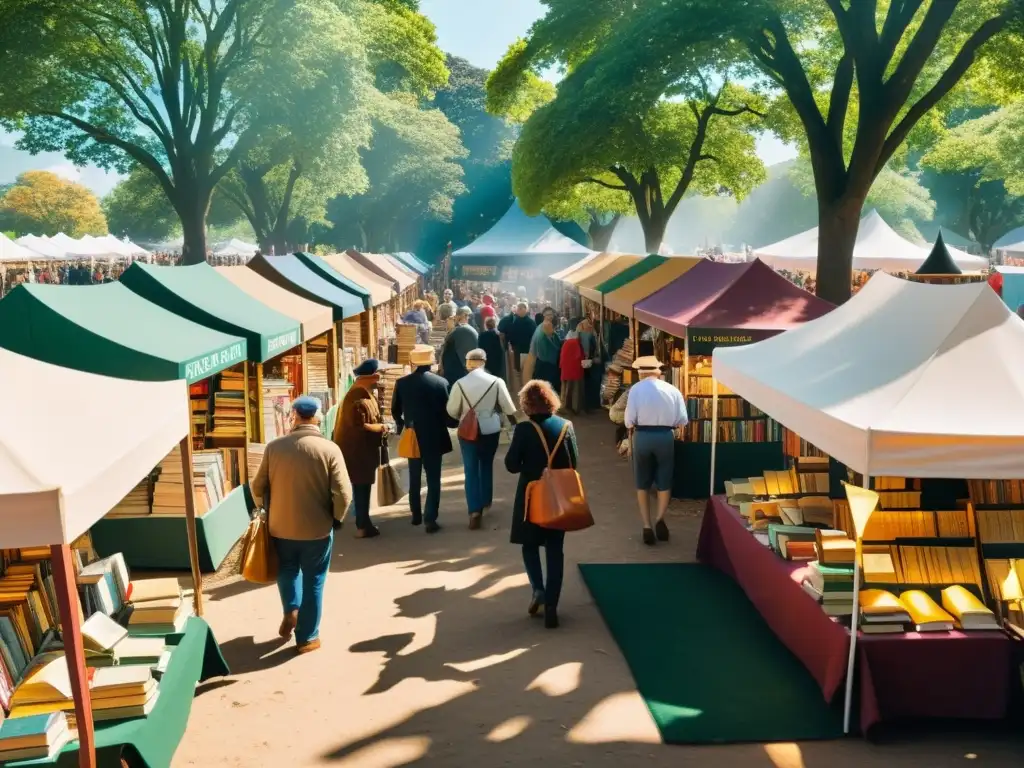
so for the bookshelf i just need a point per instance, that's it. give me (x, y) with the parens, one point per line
(997, 510)
(738, 421)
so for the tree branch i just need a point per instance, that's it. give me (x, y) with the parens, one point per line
(734, 112)
(899, 87)
(605, 184)
(839, 101)
(957, 69)
(901, 13)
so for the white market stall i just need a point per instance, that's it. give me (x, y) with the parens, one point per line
(59, 476)
(11, 251)
(235, 247)
(878, 247)
(872, 383)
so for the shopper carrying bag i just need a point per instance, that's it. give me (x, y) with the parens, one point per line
(557, 500)
(259, 557)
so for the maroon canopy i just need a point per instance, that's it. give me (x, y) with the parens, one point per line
(715, 294)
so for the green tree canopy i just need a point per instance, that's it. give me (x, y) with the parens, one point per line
(183, 88)
(42, 203)
(849, 80)
(697, 136)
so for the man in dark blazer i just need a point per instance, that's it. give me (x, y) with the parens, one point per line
(420, 402)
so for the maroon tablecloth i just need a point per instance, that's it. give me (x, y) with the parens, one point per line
(935, 675)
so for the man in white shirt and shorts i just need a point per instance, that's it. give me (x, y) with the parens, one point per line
(654, 409)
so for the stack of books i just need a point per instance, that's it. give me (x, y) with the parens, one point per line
(199, 404)
(613, 375)
(277, 403)
(158, 608)
(970, 613)
(34, 737)
(881, 612)
(116, 693)
(834, 548)
(792, 542)
(107, 643)
(208, 480)
(229, 406)
(389, 377)
(104, 585)
(831, 586)
(406, 337)
(256, 451)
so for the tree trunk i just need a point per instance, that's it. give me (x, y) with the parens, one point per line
(601, 234)
(192, 212)
(654, 231)
(837, 233)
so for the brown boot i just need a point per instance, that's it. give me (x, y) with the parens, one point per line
(309, 647)
(474, 521)
(288, 624)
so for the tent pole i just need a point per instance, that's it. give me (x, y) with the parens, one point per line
(258, 429)
(243, 471)
(304, 362)
(332, 359)
(854, 622)
(74, 652)
(190, 524)
(714, 432)
(686, 362)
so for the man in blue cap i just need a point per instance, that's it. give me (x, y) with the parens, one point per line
(303, 484)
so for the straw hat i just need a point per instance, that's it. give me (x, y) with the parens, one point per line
(648, 363)
(422, 354)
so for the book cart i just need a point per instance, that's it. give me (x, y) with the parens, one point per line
(61, 476)
(713, 305)
(949, 481)
(110, 330)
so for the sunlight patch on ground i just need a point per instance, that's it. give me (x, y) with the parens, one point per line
(502, 585)
(509, 729)
(784, 755)
(456, 479)
(558, 681)
(486, 661)
(619, 717)
(389, 753)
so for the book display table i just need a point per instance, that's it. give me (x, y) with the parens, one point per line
(906, 676)
(161, 542)
(150, 742)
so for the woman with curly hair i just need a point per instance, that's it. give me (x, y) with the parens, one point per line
(527, 456)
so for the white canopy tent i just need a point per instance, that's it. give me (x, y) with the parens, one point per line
(42, 246)
(874, 382)
(59, 476)
(878, 247)
(235, 247)
(86, 248)
(12, 251)
(518, 235)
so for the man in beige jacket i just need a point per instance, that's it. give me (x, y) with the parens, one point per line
(303, 484)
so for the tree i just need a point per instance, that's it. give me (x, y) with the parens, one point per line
(174, 86)
(702, 140)
(851, 81)
(137, 207)
(42, 203)
(976, 172)
(414, 175)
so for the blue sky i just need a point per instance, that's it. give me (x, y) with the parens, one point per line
(476, 30)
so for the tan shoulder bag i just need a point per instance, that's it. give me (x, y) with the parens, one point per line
(557, 501)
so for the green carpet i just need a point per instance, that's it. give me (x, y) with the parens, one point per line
(707, 666)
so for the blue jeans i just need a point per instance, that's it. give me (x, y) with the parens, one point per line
(478, 463)
(432, 466)
(554, 554)
(301, 574)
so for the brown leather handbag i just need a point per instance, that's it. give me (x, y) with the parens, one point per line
(469, 427)
(557, 501)
(259, 556)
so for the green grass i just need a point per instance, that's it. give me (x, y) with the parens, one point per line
(707, 666)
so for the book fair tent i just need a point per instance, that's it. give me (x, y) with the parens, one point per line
(869, 383)
(234, 247)
(714, 295)
(41, 247)
(518, 240)
(59, 476)
(412, 262)
(593, 262)
(878, 247)
(200, 294)
(290, 272)
(620, 293)
(331, 275)
(109, 330)
(586, 280)
(313, 318)
(381, 289)
(377, 264)
(12, 251)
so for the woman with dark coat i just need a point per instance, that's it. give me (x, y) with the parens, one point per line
(490, 342)
(527, 456)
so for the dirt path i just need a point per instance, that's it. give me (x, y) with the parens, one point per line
(429, 658)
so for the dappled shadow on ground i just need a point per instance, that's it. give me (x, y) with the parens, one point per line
(430, 659)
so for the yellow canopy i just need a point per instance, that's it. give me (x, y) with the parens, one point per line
(623, 299)
(621, 262)
(582, 270)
